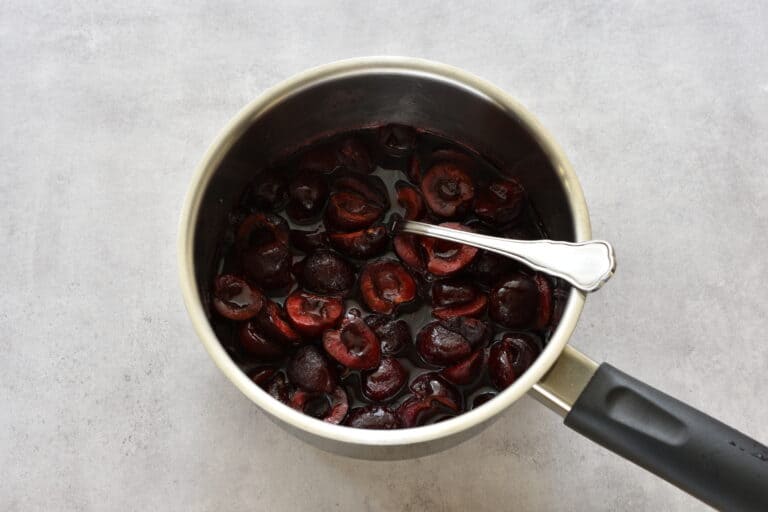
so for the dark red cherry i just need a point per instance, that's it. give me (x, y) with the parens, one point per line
(394, 335)
(308, 193)
(310, 369)
(410, 198)
(354, 345)
(408, 249)
(475, 308)
(447, 342)
(256, 342)
(488, 266)
(361, 244)
(268, 192)
(320, 159)
(260, 229)
(328, 273)
(309, 241)
(279, 388)
(372, 188)
(500, 202)
(448, 190)
(349, 211)
(467, 371)
(445, 258)
(354, 155)
(416, 411)
(521, 301)
(452, 292)
(373, 417)
(269, 265)
(273, 322)
(397, 140)
(385, 285)
(385, 381)
(432, 386)
(312, 314)
(510, 357)
(262, 376)
(329, 407)
(235, 299)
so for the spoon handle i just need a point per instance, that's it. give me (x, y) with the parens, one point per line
(586, 265)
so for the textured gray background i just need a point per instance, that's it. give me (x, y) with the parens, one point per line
(107, 399)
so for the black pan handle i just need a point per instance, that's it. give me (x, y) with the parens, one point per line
(704, 457)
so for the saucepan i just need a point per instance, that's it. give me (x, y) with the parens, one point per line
(706, 458)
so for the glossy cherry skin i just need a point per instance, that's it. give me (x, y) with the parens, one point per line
(349, 211)
(394, 335)
(311, 314)
(308, 193)
(410, 198)
(328, 273)
(256, 342)
(235, 299)
(385, 285)
(386, 381)
(311, 370)
(372, 188)
(447, 342)
(269, 265)
(500, 202)
(329, 407)
(260, 229)
(446, 258)
(467, 371)
(510, 357)
(452, 298)
(273, 322)
(408, 248)
(268, 192)
(373, 417)
(448, 190)
(309, 241)
(521, 301)
(361, 244)
(354, 345)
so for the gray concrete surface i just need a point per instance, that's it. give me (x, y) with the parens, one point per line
(110, 403)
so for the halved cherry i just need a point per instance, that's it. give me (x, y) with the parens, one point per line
(394, 335)
(269, 265)
(474, 309)
(416, 411)
(432, 386)
(322, 159)
(262, 376)
(235, 299)
(408, 248)
(385, 381)
(312, 314)
(453, 298)
(445, 258)
(329, 407)
(308, 241)
(397, 140)
(521, 301)
(385, 285)
(467, 371)
(350, 211)
(273, 322)
(308, 192)
(328, 273)
(500, 202)
(448, 190)
(447, 342)
(268, 192)
(259, 229)
(361, 244)
(354, 345)
(371, 188)
(259, 343)
(372, 417)
(310, 369)
(410, 198)
(354, 155)
(510, 357)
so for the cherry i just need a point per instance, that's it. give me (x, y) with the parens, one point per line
(350, 211)
(447, 342)
(521, 301)
(432, 386)
(235, 299)
(262, 376)
(269, 265)
(354, 155)
(258, 343)
(279, 388)
(409, 250)
(329, 407)
(386, 285)
(500, 202)
(260, 229)
(457, 298)
(321, 159)
(309, 368)
(410, 198)
(268, 192)
(397, 140)
(373, 417)
(361, 244)
(413, 171)
(328, 273)
(510, 357)
(372, 188)
(308, 241)
(394, 335)
(273, 322)
(308, 193)
(488, 266)
(445, 258)
(385, 381)
(467, 371)
(312, 314)
(448, 190)
(354, 345)
(415, 411)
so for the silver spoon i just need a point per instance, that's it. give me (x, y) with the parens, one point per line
(586, 265)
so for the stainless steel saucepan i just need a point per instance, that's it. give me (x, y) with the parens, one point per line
(719, 465)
